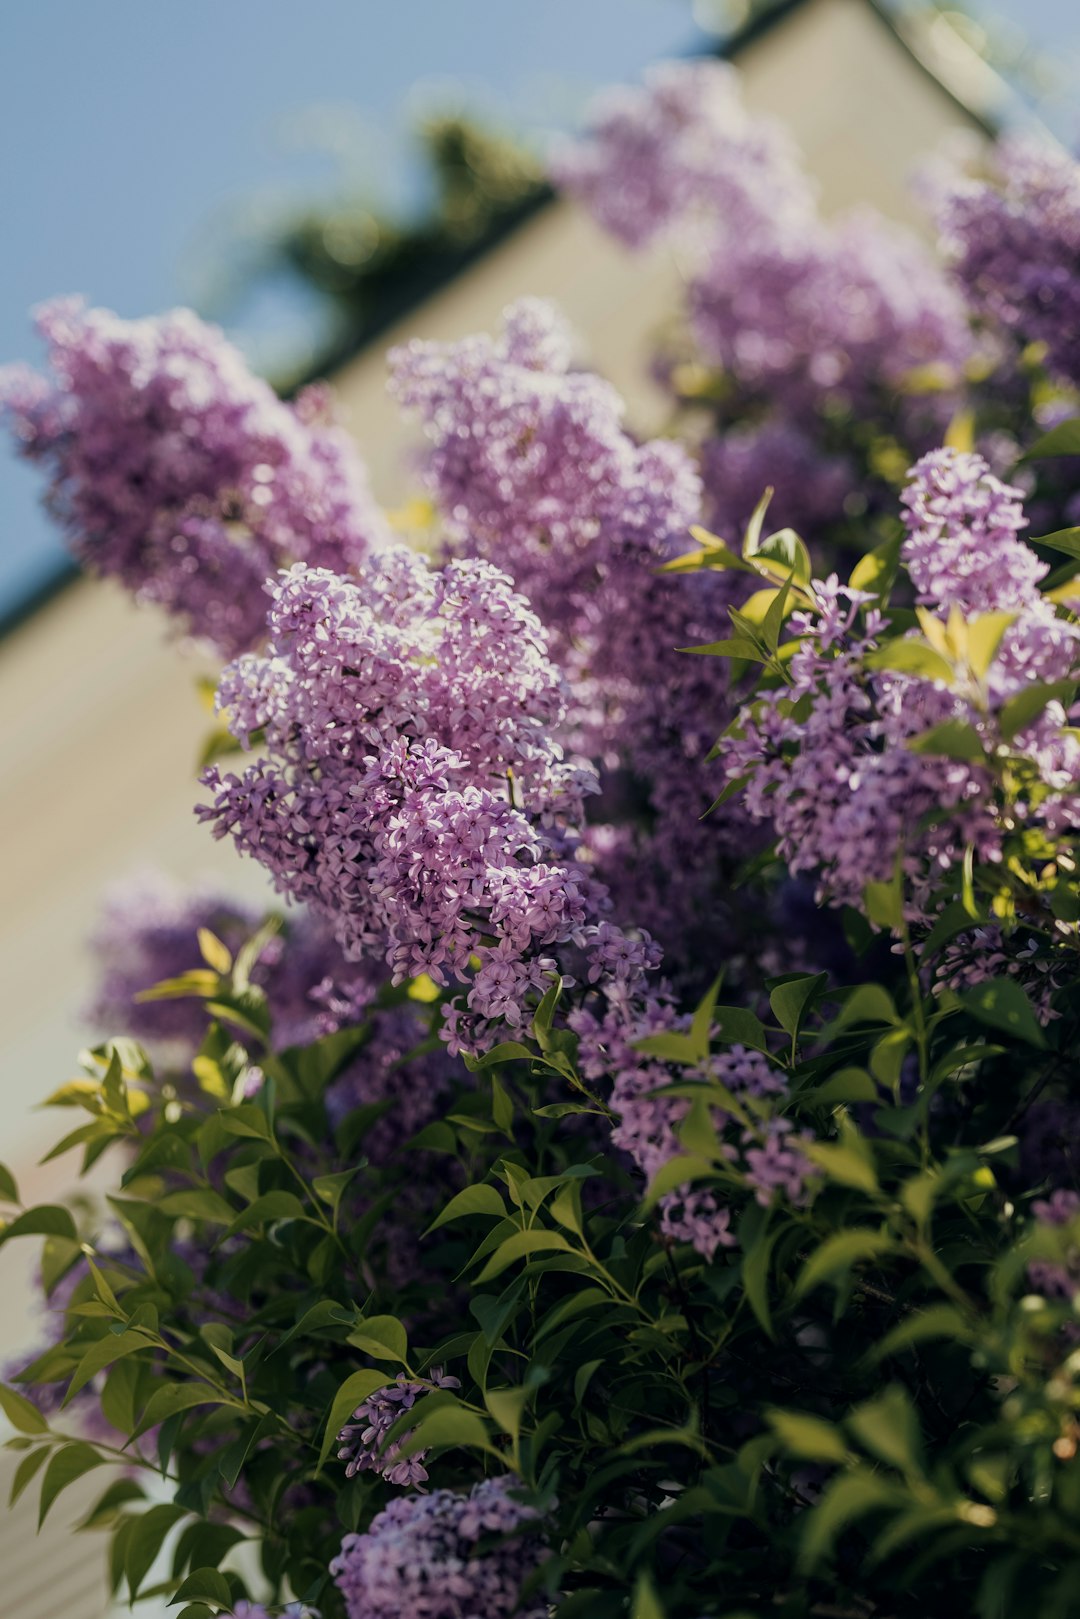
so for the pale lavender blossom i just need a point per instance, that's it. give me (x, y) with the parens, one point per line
(362, 1440)
(420, 1560)
(1013, 237)
(175, 470)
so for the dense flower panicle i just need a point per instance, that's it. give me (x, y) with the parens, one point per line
(1014, 242)
(837, 316)
(792, 307)
(842, 787)
(419, 1559)
(362, 1440)
(647, 1122)
(178, 472)
(963, 547)
(964, 550)
(679, 147)
(410, 787)
(533, 468)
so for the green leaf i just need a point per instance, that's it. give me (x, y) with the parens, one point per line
(1064, 439)
(876, 571)
(381, 1336)
(172, 1398)
(1019, 712)
(352, 1393)
(937, 1321)
(545, 1015)
(888, 1427)
(845, 1499)
(733, 647)
(791, 1001)
(214, 953)
(520, 1246)
(1066, 540)
(701, 1027)
(198, 1205)
(869, 1003)
(326, 1313)
(207, 1583)
(984, 637)
(26, 1472)
(112, 1347)
(271, 1206)
(331, 1188)
(755, 1275)
(670, 1047)
(675, 1172)
(952, 739)
(9, 1192)
(740, 1027)
(1002, 1004)
(47, 1220)
(245, 1120)
(884, 904)
(106, 1509)
(838, 1253)
(448, 1425)
(954, 919)
(24, 1417)
(646, 1604)
(807, 1436)
(846, 1165)
(912, 657)
(506, 1051)
(65, 1466)
(507, 1407)
(146, 1539)
(846, 1085)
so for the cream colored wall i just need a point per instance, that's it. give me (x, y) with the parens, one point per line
(101, 724)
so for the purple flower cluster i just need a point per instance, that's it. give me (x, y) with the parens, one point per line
(682, 147)
(176, 471)
(794, 309)
(362, 1440)
(421, 1557)
(762, 1151)
(827, 758)
(532, 468)
(1014, 241)
(147, 933)
(409, 786)
(963, 547)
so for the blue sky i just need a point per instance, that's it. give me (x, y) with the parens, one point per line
(134, 134)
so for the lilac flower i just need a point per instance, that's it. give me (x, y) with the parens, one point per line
(845, 792)
(362, 1439)
(820, 315)
(420, 1557)
(1014, 242)
(962, 547)
(681, 147)
(176, 471)
(532, 468)
(410, 788)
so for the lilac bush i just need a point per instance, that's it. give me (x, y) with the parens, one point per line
(639, 1172)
